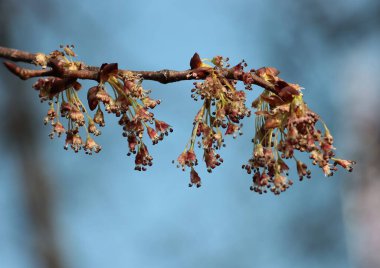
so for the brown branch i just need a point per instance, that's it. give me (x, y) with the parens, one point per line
(17, 55)
(92, 73)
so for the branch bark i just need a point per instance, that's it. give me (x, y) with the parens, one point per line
(92, 73)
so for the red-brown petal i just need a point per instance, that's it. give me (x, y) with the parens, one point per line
(91, 97)
(107, 70)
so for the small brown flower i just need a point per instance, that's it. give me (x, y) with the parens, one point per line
(99, 118)
(51, 114)
(162, 127)
(232, 129)
(102, 96)
(65, 109)
(143, 115)
(212, 160)
(58, 129)
(132, 143)
(149, 103)
(282, 167)
(346, 164)
(260, 182)
(76, 116)
(69, 138)
(280, 184)
(187, 158)
(77, 143)
(302, 170)
(134, 126)
(194, 178)
(143, 158)
(73, 140)
(91, 146)
(153, 135)
(327, 170)
(92, 128)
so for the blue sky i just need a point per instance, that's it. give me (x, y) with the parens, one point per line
(108, 215)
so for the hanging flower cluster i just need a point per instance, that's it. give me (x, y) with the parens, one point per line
(127, 100)
(284, 125)
(221, 113)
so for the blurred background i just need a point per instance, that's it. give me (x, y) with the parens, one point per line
(60, 209)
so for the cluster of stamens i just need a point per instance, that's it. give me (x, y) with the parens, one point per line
(221, 113)
(127, 100)
(284, 125)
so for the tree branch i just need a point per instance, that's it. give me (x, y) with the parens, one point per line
(92, 73)
(17, 55)
(285, 122)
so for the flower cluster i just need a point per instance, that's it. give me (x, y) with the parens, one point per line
(284, 125)
(221, 114)
(127, 100)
